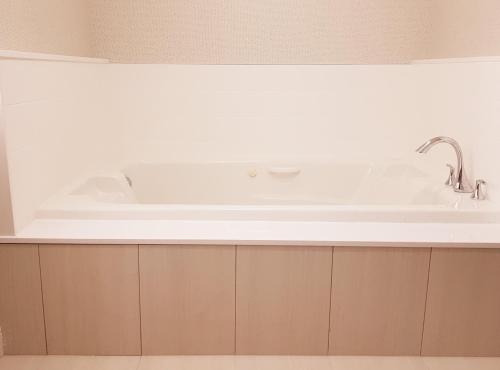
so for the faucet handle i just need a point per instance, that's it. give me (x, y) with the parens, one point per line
(450, 181)
(479, 190)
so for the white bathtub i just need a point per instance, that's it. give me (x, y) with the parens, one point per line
(322, 191)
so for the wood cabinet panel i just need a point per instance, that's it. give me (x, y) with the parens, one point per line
(91, 297)
(282, 300)
(378, 300)
(463, 304)
(21, 310)
(187, 299)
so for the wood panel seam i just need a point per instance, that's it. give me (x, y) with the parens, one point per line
(235, 292)
(331, 326)
(330, 304)
(426, 297)
(43, 301)
(139, 286)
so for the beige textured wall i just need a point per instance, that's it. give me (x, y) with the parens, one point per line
(463, 28)
(260, 31)
(46, 26)
(257, 31)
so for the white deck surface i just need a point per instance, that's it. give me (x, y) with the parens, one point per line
(259, 233)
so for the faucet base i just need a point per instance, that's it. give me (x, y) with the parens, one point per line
(463, 187)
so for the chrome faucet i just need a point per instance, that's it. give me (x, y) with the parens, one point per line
(460, 182)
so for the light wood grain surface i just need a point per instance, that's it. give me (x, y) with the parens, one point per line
(21, 310)
(255, 300)
(91, 297)
(283, 300)
(187, 299)
(463, 305)
(378, 300)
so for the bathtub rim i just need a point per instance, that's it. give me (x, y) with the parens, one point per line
(328, 234)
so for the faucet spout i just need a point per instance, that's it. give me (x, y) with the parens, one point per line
(462, 183)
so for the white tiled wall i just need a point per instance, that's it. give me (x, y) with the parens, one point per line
(51, 117)
(6, 221)
(341, 112)
(263, 112)
(63, 120)
(462, 100)
(284, 112)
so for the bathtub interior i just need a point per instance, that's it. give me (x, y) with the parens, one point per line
(279, 191)
(221, 183)
(274, 184)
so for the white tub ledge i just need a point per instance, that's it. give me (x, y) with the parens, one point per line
(259, 233)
